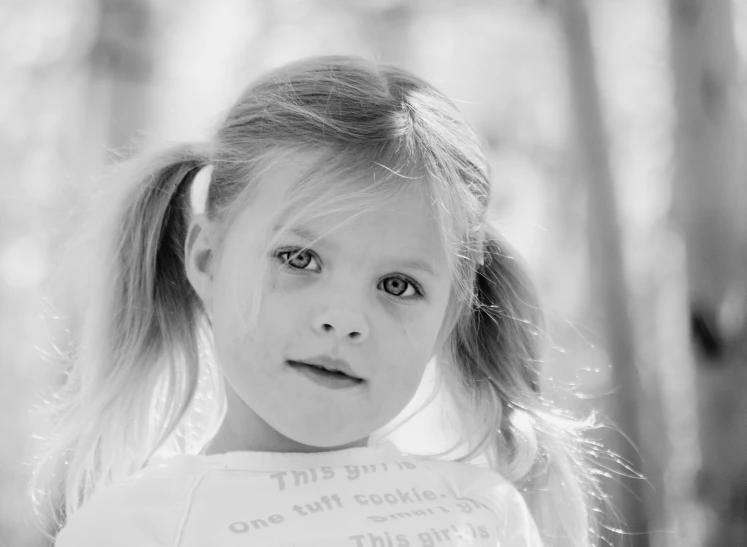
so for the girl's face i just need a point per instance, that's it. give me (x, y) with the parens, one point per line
(373, 294)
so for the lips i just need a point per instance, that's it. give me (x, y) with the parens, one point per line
(329, 364)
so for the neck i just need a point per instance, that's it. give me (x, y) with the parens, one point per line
(243, 430)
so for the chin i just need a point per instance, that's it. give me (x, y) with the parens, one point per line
(329, 441)
(341, 446)
(309, 434)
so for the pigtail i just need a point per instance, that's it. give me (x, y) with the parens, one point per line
(495, 347)
(133, 370)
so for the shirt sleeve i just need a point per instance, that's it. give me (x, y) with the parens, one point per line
(104, 522)
(516, 526)
(92, 526)
(146, 513)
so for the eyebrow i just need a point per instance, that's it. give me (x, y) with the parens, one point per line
(417, 264)
(414, 263)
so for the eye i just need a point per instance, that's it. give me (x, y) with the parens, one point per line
(401, 288)
(298, 259)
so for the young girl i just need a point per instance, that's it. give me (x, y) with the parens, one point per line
(342, 244)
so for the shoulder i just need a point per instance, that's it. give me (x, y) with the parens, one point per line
(468, 478)
(146, 510)
(515, 523)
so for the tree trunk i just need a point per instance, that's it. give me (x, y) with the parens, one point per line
(609, 291)
(42, 76)
(115, 97)
(709, 205)
(120, 64)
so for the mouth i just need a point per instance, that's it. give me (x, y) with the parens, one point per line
(323, 376)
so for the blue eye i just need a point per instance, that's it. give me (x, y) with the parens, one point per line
(297, 259)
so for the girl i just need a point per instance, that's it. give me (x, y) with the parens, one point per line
(342, 245)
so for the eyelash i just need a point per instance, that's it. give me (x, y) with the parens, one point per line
(296, 250)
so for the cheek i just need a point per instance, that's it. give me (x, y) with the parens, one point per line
(411, 340)
(279, 318)
(276, 323)
(414, 335)
(419, 329)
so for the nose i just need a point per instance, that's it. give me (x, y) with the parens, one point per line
(346, 325)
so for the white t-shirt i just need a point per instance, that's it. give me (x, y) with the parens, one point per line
(371, 496)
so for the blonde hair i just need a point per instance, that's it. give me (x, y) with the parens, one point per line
(140, 371)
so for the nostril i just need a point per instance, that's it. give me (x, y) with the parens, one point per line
(345, 327)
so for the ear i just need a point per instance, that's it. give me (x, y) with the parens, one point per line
(199, 259)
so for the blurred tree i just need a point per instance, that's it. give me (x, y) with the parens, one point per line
(609, 293)
(120, 68)
(388, 29)
(117, 68)
(122, 63)
(42, 49)
(709, 205)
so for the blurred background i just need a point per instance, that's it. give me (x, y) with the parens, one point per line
(616, 133)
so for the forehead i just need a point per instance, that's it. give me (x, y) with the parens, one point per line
(325, 197)
(403, 234)
(319, 183)
(405, 220)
